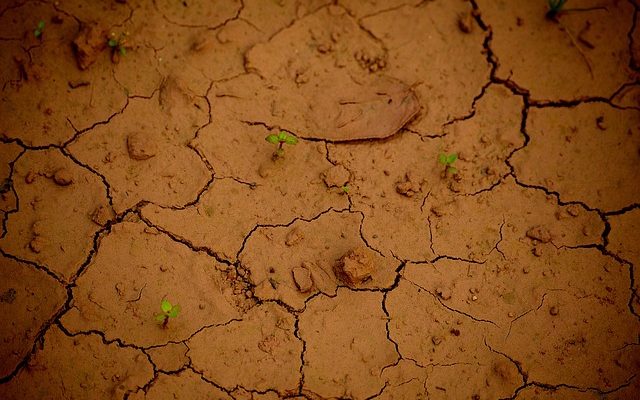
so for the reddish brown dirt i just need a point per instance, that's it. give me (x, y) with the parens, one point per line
(353, 267)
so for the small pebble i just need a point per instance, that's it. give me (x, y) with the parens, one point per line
(554, 310)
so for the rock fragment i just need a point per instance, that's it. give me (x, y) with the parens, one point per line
(140, 147)
(302, 278)
(355, 267)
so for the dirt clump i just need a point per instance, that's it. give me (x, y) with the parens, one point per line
(539, 233)
(302, 278)
(336, 176)
(63, 177)
(101, 215)
(409, 185)
(140, 147)
(355, 267)
(293, 237)
(88, 44)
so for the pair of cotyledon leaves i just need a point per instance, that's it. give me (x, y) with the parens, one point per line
(168, 310)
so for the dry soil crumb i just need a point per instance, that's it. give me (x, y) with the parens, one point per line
(89, 43)
(355, 267)
(302, 278)
(140, 147)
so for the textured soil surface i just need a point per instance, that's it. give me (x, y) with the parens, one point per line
(134, 168)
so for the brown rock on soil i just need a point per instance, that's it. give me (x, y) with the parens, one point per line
(302, 278)
(140, 147)
(355, 267)
(88, 44)
(539, 233)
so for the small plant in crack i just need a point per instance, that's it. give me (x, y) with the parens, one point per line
(118, 46)
(39, 30)
(168, 311)
(345, 189)
(447, 160)
(555, 7)
(280, 140)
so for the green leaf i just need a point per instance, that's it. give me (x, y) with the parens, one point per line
(112, 43)
(174, 311)
(451, 158)
(280, 152)
(166, 305)
(282, 136)
(291, 140)
(272, 139)
(442, 158)
(40, 25)
(160, 317)
(123, 51)
(452, 170)
(37, 33)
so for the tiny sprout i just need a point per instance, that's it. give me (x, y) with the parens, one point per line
(39, 29)
(117, 45)
(280, 139)
(447, 160)
(345, 189)
(555, 6)
(168, 311)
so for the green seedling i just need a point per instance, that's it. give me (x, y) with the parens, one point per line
(168, 311)
(555, 6)
(280, 139)
(345, 189)
(118, 46)
(39, 29)
(447, 160)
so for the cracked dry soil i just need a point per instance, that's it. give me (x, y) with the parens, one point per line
(127, 182)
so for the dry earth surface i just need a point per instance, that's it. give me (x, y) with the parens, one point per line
(354, 267)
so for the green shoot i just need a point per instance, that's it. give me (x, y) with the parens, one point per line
(555, 6)
(168, 311)
(280, 139)
(447, 160)
(345, 189)
(118, 46)
(39, 29)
